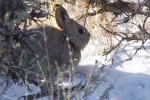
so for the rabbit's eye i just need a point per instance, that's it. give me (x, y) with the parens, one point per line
(80, 31)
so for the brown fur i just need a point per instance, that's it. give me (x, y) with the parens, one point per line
(63, 45)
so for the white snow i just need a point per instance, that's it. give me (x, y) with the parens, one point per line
(16, 91)
(130, 79)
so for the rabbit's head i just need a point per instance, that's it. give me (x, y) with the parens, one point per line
(76, 33)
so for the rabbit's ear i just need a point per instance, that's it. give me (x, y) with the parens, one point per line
(61, 15)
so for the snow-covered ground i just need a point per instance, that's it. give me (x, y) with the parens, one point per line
(130, 79)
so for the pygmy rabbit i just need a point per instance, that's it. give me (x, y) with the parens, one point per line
(62, 46)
